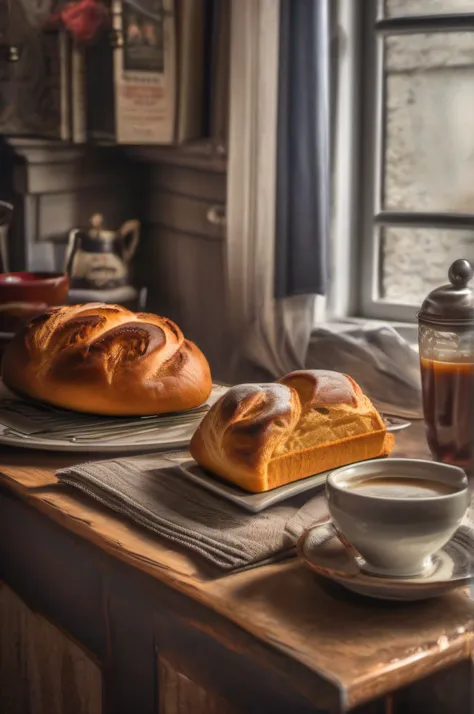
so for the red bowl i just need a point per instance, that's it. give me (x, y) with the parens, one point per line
(24, 295)
(48, 288)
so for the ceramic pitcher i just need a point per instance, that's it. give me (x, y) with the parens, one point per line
(100, 259)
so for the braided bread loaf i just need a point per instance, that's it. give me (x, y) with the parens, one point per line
(263, 436)
(104, 359)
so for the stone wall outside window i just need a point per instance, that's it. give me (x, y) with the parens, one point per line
(429, 151)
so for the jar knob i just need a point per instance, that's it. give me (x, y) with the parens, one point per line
(460, 273)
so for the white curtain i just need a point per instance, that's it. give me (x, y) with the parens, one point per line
(279, 146)
(278, 207)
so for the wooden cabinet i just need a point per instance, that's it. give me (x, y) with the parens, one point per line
(179, 195)
(42, 670)
(178, 694)
(183, 253)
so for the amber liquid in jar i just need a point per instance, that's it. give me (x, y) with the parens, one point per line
(448, 405)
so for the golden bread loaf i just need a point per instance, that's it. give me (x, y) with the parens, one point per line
(104, 359)
(261, 436)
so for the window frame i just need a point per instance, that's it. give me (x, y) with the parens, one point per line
(359, 215)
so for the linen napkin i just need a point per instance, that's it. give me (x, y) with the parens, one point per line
(152, 491)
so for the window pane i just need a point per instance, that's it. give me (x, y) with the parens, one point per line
(429, 129)
(414, 261)
(397, 8)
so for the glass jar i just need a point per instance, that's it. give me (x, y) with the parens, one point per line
(446, 340)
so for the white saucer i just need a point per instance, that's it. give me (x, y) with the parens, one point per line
(323, 552)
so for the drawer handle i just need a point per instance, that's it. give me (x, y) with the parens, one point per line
(216, 215)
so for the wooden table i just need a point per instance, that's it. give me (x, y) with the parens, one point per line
(100, 616)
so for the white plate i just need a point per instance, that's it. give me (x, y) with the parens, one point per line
(163, 437)
(253, 502)
(453, 566)
(393, 423)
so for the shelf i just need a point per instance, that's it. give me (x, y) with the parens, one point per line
(202, 154)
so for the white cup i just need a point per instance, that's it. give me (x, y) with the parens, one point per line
(397, 536)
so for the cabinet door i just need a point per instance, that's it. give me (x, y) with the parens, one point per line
(42, 670)
(178, 694)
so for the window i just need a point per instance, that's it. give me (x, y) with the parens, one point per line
(415, 188)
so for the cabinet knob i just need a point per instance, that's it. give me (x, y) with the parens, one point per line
(216, 215)
(117, 39)
(10, 53)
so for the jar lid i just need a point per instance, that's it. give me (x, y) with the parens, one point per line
(451, 304)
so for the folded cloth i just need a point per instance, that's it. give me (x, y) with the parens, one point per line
(384, 365)
(152, 491)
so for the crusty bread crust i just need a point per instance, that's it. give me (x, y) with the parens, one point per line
(104, 359)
